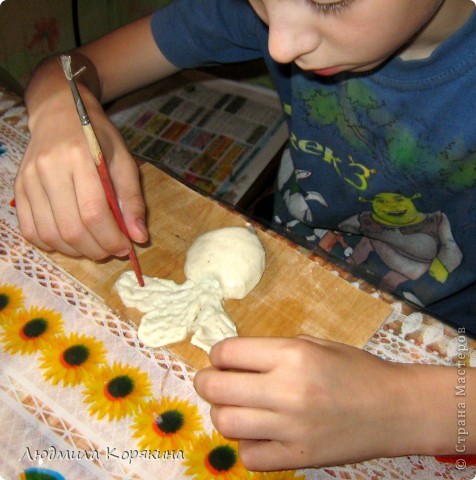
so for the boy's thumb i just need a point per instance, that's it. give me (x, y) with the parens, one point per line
(128, 189)
(134, 216)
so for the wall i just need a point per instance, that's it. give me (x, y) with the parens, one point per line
(32, 30)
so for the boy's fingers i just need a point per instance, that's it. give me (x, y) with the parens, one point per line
(258, 354)
(133, 208)
(126, 179)
(38, 221)
(265, 455)
(95, 216)
(231, 388)
(319, 341)
(249, 423)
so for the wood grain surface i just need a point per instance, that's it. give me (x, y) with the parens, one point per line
(295, 295)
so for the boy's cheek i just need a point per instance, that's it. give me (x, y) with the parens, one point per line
(259, 9)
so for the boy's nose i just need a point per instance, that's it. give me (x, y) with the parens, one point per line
(288, 41)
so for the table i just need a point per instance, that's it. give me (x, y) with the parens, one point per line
(69, 430)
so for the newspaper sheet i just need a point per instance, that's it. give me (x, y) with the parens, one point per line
(216, 135)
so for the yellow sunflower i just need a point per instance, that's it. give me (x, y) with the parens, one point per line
(28, 331)
(167, 425)
(284, 475)
(71, 359)
(215, 458)
(11, 299)
(116, 391)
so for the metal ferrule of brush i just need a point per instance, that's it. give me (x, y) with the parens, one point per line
(83, 116)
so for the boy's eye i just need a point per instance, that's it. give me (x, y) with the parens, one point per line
(328, 6)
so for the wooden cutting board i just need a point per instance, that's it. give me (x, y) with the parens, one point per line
(295, 296)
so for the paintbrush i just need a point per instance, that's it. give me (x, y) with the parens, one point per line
(99, 161)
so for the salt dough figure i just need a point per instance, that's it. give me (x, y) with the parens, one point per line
(223, 263)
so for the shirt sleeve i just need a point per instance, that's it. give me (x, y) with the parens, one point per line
(199, 33)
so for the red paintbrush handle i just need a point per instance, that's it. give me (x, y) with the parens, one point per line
(116, 211)
(103, 171)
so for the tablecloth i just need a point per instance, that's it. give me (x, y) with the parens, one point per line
(57, 423)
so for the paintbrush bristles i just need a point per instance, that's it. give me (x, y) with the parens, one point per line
(66, 64)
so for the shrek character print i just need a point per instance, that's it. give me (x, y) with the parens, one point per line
(409, 242)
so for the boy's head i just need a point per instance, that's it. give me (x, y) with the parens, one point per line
(330, 36)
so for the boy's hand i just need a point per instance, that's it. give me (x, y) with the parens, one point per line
(306, 402)
(60, 201)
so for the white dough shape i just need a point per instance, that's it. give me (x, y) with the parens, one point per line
(232, 255)
(224, 263)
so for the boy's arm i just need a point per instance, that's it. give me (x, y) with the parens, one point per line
(60, 202)
(306, 402)
(127, 59)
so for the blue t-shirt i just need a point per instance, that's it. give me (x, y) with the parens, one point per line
(380, 172)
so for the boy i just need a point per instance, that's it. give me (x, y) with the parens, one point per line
(380, 172)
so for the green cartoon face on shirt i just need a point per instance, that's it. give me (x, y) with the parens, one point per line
(396, 210)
